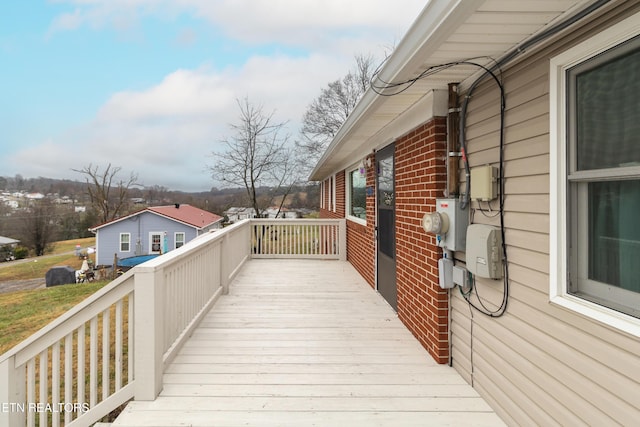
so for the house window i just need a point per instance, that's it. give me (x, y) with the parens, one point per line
(125, 242)
(179, 239)
(595, 177)
(332, 193)
(356, 195)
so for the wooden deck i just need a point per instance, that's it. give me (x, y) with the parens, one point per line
(299, 343)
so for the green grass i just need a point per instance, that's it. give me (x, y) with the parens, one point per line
(37, 267)
(70, 245)
(23, 313)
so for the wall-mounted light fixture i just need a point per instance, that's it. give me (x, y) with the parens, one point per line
(364, 165)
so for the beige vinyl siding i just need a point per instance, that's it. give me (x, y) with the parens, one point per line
(558, 367)
(461, 343)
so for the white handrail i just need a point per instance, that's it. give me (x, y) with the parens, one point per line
(128, 331)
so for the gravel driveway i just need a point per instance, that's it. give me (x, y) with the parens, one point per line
(21, 285)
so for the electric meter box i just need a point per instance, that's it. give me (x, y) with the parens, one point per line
(454, 239)
(484, 251)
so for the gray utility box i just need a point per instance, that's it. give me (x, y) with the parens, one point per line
(454, 239)
(484, 251)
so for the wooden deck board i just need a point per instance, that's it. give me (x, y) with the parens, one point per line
(299, 342)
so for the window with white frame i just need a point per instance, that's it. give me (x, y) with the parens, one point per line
(125, 242)
(332, 193)
(179, 239)
(356, 195)
(595, 175)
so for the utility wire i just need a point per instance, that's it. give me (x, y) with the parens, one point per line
(383, 87)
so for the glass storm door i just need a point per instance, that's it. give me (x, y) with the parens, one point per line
(386, 213)
(155, 243)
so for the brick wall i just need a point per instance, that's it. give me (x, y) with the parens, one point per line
(420, 178)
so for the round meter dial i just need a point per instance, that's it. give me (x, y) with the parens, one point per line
(435, 222)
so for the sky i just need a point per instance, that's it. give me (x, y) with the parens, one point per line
(151, 86)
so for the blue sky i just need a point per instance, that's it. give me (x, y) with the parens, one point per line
(151, 85)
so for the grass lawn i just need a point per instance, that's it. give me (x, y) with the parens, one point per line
(23, 313)
(70, 245)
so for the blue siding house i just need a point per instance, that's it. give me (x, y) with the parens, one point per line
(153, 230)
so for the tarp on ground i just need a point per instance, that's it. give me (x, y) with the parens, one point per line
(60, 276)
(134, 260)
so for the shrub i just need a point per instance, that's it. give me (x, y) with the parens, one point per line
(20, 252)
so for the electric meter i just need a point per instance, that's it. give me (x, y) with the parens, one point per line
(449, 223)
(435, 222)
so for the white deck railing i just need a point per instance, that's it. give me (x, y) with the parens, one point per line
(299, 238)
(114, 346)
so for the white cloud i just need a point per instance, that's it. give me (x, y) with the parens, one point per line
(292, 22)
(67, 21)
(186, 37)
(283, 83)
(181, 93)
(304, 21)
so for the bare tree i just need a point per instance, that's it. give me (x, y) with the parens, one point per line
(326, 113)
(108, 195)
(39, 225)
(156, 193)
(256, 156)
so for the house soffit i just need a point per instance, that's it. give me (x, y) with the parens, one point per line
(445, 32)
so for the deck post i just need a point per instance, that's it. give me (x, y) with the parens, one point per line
(224, 264)
(12, 393)
(342, 239)
(148, 332)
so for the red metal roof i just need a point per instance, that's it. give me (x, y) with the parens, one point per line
(188, 214)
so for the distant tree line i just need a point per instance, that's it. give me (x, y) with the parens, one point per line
(39, 222)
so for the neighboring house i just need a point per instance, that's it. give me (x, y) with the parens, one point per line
(235, 214)
(7, 245)
(274, 212)
(13, 204)
(8, 241)
(558, 341)
(153, 230)
(238, 213)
